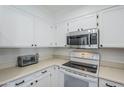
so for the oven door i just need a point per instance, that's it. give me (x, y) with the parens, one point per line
(75, 79)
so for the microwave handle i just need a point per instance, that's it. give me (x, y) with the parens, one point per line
(89, 39)
(68, 38)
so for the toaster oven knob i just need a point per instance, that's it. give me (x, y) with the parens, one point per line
(35, 45)
(32, 45)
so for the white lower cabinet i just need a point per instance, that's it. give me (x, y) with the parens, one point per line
(50, 77)
(57, 77)
(41, 81)
(107, 83)
(21, 82)
(38, 79)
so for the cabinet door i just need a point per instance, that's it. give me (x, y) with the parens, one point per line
(85, 22)
(57, 78)
(43, 33)
(112, 27)
(60, 34)
(43, 81)
(16, 28)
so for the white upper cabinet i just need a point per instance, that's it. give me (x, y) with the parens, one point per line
(16, 28)
(112, 27)
(43, 33)
(61, 30)
(84, 22)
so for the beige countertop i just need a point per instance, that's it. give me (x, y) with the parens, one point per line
(9, 74)
(13, 73)
(113, 74)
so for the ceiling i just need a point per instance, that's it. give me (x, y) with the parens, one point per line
(61, 8)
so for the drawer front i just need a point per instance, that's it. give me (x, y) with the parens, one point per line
(107, 83)
(20, 82)
(43, 71)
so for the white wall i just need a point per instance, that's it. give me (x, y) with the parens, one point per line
(109, 55)
(8, 57)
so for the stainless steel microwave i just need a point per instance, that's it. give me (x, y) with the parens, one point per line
(83, 39)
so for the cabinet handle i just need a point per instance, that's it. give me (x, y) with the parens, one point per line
(82, 29)
(20, 83)
(31, 83)
(101, 45)
(36, 81)
(44, 72)
(109, 85)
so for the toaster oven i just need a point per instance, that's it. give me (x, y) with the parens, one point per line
(27, 60)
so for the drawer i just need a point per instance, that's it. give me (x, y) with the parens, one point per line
(19, 82)
(107, 83)
(43, 71)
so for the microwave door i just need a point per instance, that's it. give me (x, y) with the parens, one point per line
(85, 41)
(74, 40)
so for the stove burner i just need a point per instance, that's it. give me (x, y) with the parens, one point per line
(82, 66)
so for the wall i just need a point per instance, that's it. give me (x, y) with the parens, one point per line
(8, 57)
(109, 55)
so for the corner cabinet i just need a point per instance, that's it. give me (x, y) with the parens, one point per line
(111, 24)
(16, 28)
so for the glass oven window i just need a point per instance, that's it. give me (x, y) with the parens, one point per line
(70, 81)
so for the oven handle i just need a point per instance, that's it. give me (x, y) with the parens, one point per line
(80, 76)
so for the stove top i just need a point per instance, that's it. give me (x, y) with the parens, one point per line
(82, 66)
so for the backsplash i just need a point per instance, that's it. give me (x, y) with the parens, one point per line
(109, 55)
(8, 57)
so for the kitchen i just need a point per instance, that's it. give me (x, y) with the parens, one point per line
(61, 46)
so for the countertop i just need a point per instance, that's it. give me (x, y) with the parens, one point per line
(13, 73)
(113, 74)
(9, 74)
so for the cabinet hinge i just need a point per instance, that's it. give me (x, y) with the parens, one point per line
(98, 30)
(97, 24)
(97, 16)
(67, 24)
